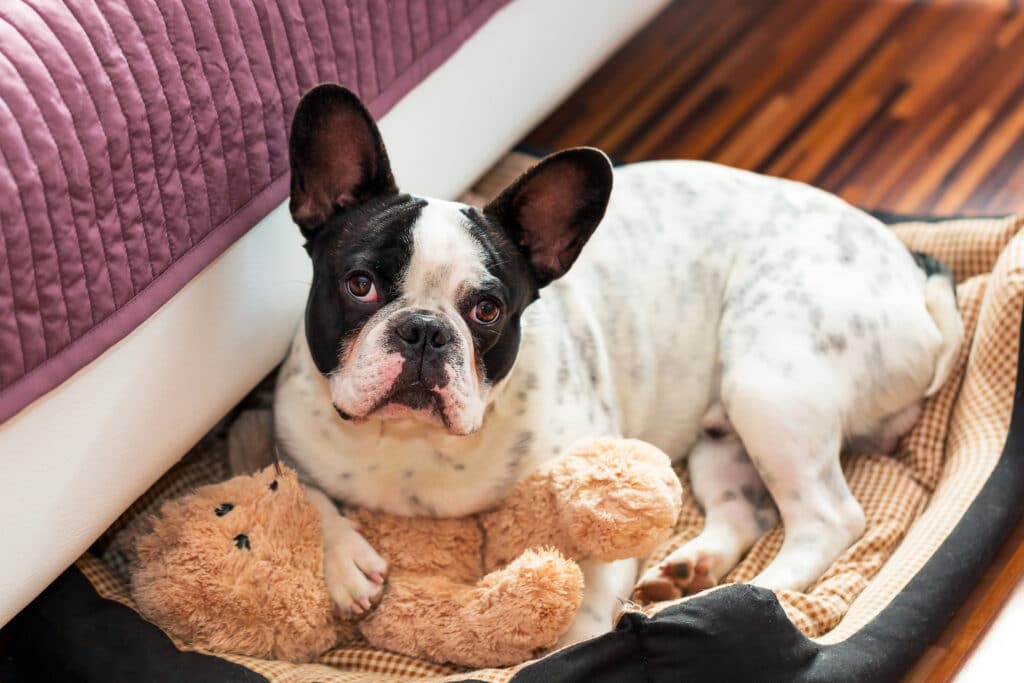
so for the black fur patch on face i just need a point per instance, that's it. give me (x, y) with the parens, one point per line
(513, 285)
(375, 237)
(372, 237)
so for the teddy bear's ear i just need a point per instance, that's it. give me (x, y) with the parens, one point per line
(274, 474)
(149, 546)
(283, 480)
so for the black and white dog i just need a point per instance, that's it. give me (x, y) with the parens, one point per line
(752, 324)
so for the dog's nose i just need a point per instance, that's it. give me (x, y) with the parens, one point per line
(418, 330)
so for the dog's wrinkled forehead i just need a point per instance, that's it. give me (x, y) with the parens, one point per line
(447, 258)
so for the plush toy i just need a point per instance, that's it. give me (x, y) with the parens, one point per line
(237, 566)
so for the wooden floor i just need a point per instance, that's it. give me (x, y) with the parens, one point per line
(916, 108)
(908, 107)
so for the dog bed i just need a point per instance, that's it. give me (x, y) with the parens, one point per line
(936, 512)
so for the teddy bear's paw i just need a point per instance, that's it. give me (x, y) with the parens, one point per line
(680, 575)
(616, 498)
(353, 571)
(532, 601)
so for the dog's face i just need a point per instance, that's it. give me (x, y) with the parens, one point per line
(415, 304)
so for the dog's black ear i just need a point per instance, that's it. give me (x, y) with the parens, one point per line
(337, 156)
(551, 210)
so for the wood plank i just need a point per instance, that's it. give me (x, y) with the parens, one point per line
(809, 90)
(898, 105)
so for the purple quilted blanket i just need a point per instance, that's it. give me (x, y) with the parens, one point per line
(140, 138)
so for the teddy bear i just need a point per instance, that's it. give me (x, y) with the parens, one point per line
(237, 566)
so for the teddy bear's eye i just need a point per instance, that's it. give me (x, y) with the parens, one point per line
(242, 542)
(223, 509)
(273, 485)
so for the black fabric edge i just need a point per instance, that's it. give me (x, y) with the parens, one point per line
(741, 633)
(71, 633)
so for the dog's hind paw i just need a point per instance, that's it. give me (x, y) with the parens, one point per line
(676, 577)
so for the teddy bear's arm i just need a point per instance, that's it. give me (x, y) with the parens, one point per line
(507, 617)
(606, 499)
(527, 518)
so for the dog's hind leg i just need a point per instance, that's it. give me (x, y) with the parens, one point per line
(738, 510)
(793, 432)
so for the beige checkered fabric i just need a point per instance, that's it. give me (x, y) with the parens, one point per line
(912, 501)
(970, 244)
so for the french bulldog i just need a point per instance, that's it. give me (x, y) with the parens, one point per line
(753, 325)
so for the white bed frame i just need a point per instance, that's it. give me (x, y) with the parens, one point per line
(77, 457)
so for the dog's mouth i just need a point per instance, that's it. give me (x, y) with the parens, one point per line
(412, 401)
(389, 390)
(417, 397)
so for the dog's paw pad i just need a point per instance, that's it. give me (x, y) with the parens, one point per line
(656, 589)
(674, 579)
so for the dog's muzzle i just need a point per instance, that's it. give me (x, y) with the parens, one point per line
(425, 342)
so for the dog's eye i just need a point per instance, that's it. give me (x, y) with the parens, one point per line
(486, 312)
(223, 509)
(361, 288)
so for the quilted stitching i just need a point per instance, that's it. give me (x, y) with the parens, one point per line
(132, 131)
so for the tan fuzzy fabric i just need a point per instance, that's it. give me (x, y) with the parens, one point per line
(604, 498)
(913, 501)
(236, 567)
(615, 507)
(607, 499)
(509, 616)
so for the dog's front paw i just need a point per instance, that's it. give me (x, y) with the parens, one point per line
(353, 570)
